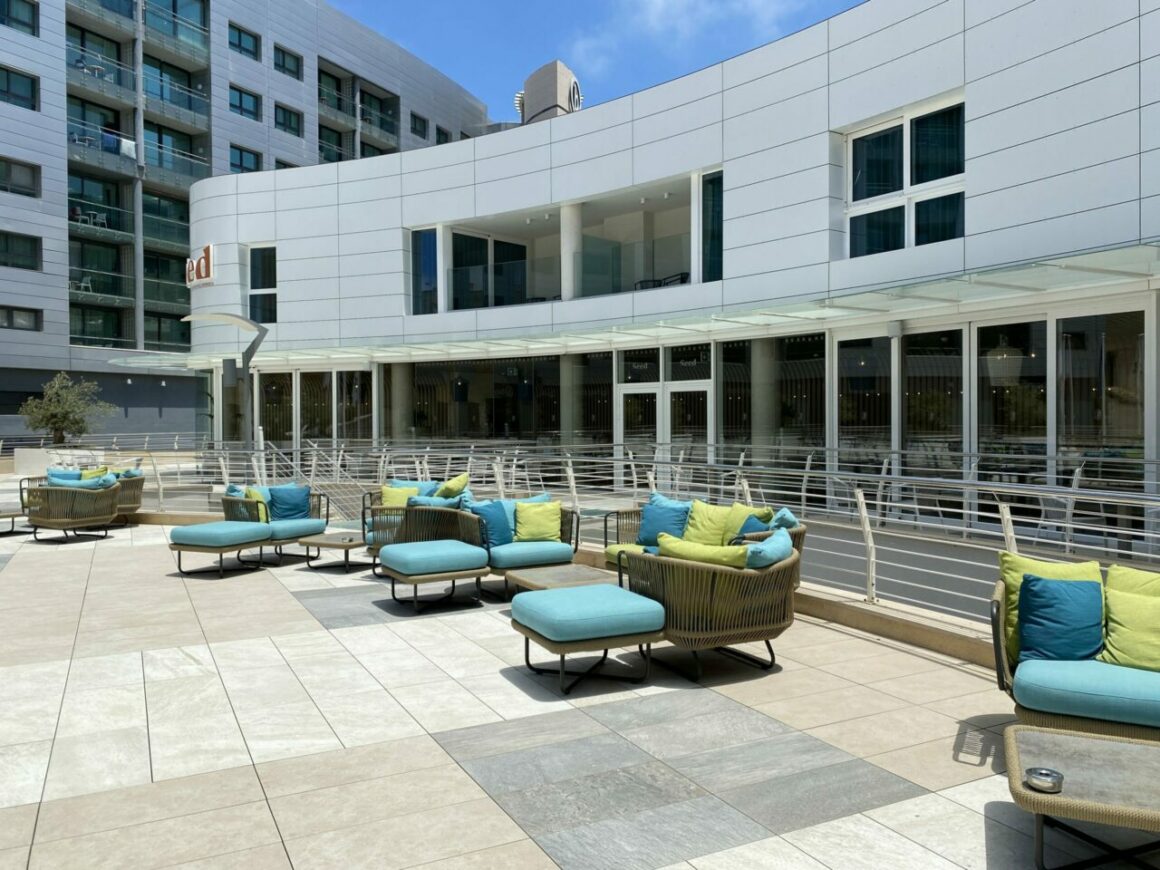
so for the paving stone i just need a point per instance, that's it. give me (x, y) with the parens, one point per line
(704, 733)
(515, 771)
(480, 741)
(657, 709)
(736, 766)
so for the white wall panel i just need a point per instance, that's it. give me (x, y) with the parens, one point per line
(1099, 228)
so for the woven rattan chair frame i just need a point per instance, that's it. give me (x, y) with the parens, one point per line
(623, 527)
(249, 510)
(66, 509)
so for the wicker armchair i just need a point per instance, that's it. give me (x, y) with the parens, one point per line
(714, 607)
(247, 510)
(623, 527)
(397, 525)
(132, 489)
(66, 508)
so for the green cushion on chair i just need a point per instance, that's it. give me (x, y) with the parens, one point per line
(613, 550)
(1091, 689)
(292, 530)
(586, 612)
(730, 557)
(1012, 567)
(432, 557)
(225, 533)
(524, 554)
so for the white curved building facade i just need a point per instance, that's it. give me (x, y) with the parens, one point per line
(921, 225)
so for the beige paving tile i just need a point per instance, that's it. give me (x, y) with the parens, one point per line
(521, 855)
(96, 762)
(859, 843)
(443, 705)
(151, 802)
(426, 633)
(369, 639)
(479, 626)
(935, 685)
(345, 806)
(271, 857)
(948, 761)
(886, 666)
(253, 688)
(774, 853)
(397, 668)
(478, 825)
(164, 842)
(842, 649)
(333, 674)
(14, 859)
(32, 679)
(367, 717)
(462, 658)
(512, 695)
(326, 769)
(776, 686)
(307, 644)
(88, 711)
(186, 661)
(884, 732)
(186, 747)
(16, 824)
(258, 652)
(985, 709)
(99, 672)
(824, 708)
(285, 731)
(28, 718)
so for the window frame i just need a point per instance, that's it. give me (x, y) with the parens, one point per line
(909, 194)
(255, 249)
(38, 247)
(240, 109)
(281, 67)
(286, 111)
(425, 135)
(7, 319)
(442, 137)
(244, 151)
(242, 31)
(10, 71)
(34, 25)
(7, 186)
(263, 298)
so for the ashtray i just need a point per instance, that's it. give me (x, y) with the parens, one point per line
(348, 540)
(1043, 779)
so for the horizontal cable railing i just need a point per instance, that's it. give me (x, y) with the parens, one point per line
(99, 282)
(168, 91)
(336, 100)
(165, 229)
(99, 68)
(175, 160)
(98, 138)
(165, 21)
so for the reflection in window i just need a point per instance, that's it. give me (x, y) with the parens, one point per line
(690, 363)
(424, 273)
(276, 407)
(316, 405)
(864, 401)
(932, 401)
(591, 397)
(936, 145)
(469, 273)
(354, 406)
(878, 231)
(712, 223)
(877, 162)
(1012, 391)
(938, 219)
(640, 366)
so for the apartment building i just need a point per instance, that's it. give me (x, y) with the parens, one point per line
(110, 110)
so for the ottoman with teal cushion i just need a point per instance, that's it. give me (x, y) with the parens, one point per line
(419, 562)
(588, 619)
(226, 536)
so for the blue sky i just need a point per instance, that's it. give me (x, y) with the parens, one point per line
(614, 46)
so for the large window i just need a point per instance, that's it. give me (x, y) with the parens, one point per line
(276, 407)
(895, 202)
(87, 48)
(329, 145)
(287, 120)
(97, 268)
(20, 15)
(864, 401)
(246, 104)
(171, 149)
(316, 404)
(263, 268)
(469, 277)
(1012, 389)
(244, 160)
(501, 398)
(171, 84)
(712, 223)
(100, 327)
(424, 273)
(287, 62)
(264, 307)
(354, 405)
(18, 89)
(379, 111)
(166, 332)
(442, 137)
(17, 177)
(366, 149)
(244, 42)
(419, 125)
(30, 319)
(19, 252)
(932, 401)
(330, 91)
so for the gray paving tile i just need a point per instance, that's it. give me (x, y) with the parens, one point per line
(703, 733)
(615, 793)
(736, 766)
(515, 771)
(665, 707)
(653, 838)
(480, 741)
(822, 794)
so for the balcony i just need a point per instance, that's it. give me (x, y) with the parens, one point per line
(92, 75)
(378, 129)
(114, 18)
(330, 153)
(94, 287)
(166, 297)
(100, 222)
(173, 38)
(518, 282)
(168, 346)
(605, 267)
(336, 109)
(166, 234)
(101, 149)
(172, 168)
(179, 107)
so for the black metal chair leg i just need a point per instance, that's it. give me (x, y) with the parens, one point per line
(749, 658)
(693, 676)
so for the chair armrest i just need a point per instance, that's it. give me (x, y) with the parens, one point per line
(320, 506)
(472, 530)
(570, 528)
(627, 526)
(1003, 674)
(386, 523)
(242, 510)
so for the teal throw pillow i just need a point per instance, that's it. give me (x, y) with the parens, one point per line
(784, 519)
(669, 518)
(495, 521)
(1060, 620)
(425, 487)
(289, 502)
(770, 551)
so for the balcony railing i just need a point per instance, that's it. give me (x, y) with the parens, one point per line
(108, 141)
(336, 100)
(101, 341)
(513, 283)
(166, 230)
(168, 346)
(605, 267)
(184, 30)
(100, 69)
(169, 292)
(328, 153)
(175, 160)
(160, 88)
(388, 124)
(97, 282)
(124, 8)
(99, 215)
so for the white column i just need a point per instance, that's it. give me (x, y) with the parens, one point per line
(402, 376)
(571, 244)
(376, 404)
(695, 228)
(765, 396)
(443, 264)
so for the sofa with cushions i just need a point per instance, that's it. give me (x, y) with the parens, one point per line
(637, 530)
(1077, 651)
(132, 481)
(531, 532)
(398, 493)
(291, 511)
(71, 503)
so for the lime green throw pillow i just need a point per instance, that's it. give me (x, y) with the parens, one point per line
(1012, 567)
(738, 514)
(1124, 579)
(263, 508)
(1131, 636)
(538, 521)
(453, 487)
(712, 554)
(706, 523)
(396, 496)
(94, 473)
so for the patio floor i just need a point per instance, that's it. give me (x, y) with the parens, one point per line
(292, 717)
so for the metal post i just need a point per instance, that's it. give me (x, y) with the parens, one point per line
(871, 551)
(1009, 541)
(138, 177)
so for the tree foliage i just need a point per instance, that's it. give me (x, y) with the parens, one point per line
(67, 408)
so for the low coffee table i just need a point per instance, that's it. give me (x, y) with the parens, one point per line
(1107, 780)
(345, 541)
(11, 513)
(557, 577)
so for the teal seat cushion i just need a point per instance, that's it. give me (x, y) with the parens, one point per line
(433, 501)
(578, 613)
(63, 473)
(524, 554)
(432, 557)
(1091, 689)
(292, 530)
(226, 533)
(103, 482)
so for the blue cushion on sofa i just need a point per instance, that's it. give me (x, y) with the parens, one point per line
(433, 501)
(784, 519)
(585, 612)
(103, 482)
(509, 505)
(1091, 689)
(220, 534)
(425, 487)
(499, 531)
(289, 502)
(63, 473)
(752, 526)
(235, 491)
(432, 557)
(656, 498)
(292, 530)
(669, 517)
(1060, 619)
(775, 548)
(524, 554)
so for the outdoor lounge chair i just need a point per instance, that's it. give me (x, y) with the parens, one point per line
(622, 528)
(68, 509)
(282, 532)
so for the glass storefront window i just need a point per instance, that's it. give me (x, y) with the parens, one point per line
(354, 406)
(469, 273)
(640, 366)
(712, 223)
(316, 406)
(424, 273)
(1012, 389)
(690, 363)
(864, 402)
(932, 402)
(592, 398)
(276, 407)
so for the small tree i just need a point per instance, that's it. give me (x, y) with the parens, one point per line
(68, 407)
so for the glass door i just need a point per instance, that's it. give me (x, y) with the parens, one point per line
(639, 435)
(688, 440)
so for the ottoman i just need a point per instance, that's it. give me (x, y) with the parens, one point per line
(587, 619)
(226, 536)
(419, 562)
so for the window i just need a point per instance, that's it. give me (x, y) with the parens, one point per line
(30, 319)
(264, 307)
(379, 112)
(244, 160)
(282, 164)
(463, 136)
(330, 91)
(263, 268)
(442, 137)
(244, 42)
(906, 183)
(419, 125)
(245, 104)
(288, 62)
(288, 120)
(712, 226)
(19, 252)
(86, 47)
(19, 15)
(18, 89)
(99, 327)
(169, 149)
(329, 145)
(365, 149)
(424, 274)
(166, 333)
(172, 84)
(17, 177)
